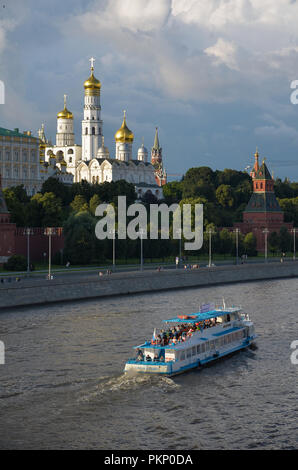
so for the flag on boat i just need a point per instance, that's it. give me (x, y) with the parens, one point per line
(154, 336)
(207, 308)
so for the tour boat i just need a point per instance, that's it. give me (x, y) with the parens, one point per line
(191, 341)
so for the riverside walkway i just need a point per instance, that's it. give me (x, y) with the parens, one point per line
(38, 290)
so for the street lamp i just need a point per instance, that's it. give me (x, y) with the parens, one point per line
(28, 231)
(294, 230)
(142, 232)
(266, 231)
(113, 232)
(237, 232)
(178, 232)
(49, 231)
(210, 232)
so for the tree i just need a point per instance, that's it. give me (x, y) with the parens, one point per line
(284, 240)
(50, 209)
(226, 242)
(250, 244)
(173, 192)
(273, 242)
(80, 239)
(16, 263)
(199, 182)
(224, 195)
(93, 203)
(79, 204)
(61, 190)
(15, 206)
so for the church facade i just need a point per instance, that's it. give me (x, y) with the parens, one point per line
(92, 160)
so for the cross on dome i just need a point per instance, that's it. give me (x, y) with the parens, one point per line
(92, 60)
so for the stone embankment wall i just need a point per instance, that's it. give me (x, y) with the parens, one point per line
(66, 288)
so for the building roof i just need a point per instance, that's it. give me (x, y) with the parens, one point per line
(15, 133)
(263, 202)
(262, 173)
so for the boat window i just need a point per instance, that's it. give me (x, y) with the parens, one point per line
(203, 348)
(188, 353)
(182, 356)
(198, 349)
(211, 344)
(207, 345)
(193, 350)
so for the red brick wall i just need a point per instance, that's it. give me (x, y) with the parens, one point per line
(7, 240)
(39, 244)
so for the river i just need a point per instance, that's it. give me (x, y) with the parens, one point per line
(63, 387)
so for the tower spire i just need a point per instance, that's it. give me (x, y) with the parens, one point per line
(156, 140)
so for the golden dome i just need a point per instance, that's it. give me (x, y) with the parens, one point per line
(92, 85)
(124, 134)
(65, 114)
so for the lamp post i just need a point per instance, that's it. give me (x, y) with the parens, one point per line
(49, 231)
(237, 232)
(210, 232)
(142, 232)
(179, 234)
(266, 231)
(28, 231)
(294, 230)
(113, 232)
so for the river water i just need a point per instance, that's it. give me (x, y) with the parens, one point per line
(62, 385)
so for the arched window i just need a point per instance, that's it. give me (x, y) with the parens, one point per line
(93, 130)
(86, 131)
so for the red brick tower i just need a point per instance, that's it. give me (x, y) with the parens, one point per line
(156, 160)
(263, 210)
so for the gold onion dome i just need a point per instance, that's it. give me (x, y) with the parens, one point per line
(124, 134)
(65, 113)
(92, 85)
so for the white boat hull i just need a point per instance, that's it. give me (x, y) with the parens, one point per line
(170, 369)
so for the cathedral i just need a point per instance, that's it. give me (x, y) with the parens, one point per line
(92, 160)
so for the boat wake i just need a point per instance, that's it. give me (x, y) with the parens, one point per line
(110, 386)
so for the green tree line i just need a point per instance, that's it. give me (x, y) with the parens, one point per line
(224, 195)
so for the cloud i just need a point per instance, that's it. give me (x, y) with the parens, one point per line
(224, 53)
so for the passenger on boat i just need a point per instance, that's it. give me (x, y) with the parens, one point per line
(140, 355)
(148, 358)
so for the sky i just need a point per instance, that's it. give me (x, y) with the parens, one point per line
(213, 75)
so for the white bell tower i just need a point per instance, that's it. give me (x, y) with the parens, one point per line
(91, 124)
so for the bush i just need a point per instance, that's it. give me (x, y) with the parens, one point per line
(16, 263)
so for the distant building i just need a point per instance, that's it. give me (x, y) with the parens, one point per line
(19, 160)
(263, 210)
(156, 160)
(92, 161)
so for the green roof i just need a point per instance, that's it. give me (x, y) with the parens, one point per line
(263, 202)
(14, 133)
(262, 173)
